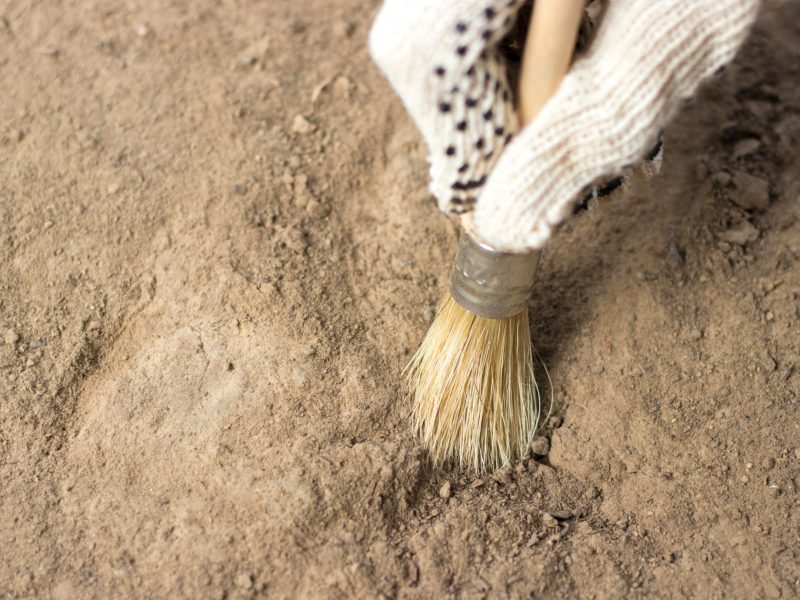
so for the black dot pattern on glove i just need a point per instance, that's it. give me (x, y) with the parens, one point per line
(473, 101)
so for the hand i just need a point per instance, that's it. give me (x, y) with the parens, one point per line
(647, 58)
(444, 60)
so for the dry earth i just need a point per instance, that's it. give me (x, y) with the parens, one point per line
(217, 252)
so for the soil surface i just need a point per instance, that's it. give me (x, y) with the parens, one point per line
(217, 253)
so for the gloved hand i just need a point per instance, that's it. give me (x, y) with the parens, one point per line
(647, 57)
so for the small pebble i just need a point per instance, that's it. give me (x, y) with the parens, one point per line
(445, 491)
(751, 193)
(503, 476)
(746, 147)
(748, 466)
(244, 581)
(302, 125)
(695, 334)
(549, 520)
(740, 234)
(592, 493)
(410, 573)
(767, 361)
(142, 30)
(768, 463)
(797, 453)
(721, 178)
(745, 479)
(596, 369)
(11, 337)
(540, 446)
(341, 87)
(315, 209)
(561, 515)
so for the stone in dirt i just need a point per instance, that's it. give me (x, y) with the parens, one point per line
(740, 234)
(540, 446)
(444, 491)
(302, 125)
(767, 361)
(244, 581)
(746, 147)
(11, 337)
(549, 520)
(750, 193)
(561, 515)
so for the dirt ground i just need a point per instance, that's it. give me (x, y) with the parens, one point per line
(217, 253)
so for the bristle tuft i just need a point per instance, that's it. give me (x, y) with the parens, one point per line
(474, 394)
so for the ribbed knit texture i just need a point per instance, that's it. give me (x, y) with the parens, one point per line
(647, 58)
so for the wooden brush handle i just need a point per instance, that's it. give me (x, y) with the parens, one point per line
(548, 51)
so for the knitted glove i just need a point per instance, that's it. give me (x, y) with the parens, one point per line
(648, 56)
(444, 61)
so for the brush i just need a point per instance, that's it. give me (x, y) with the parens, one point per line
(474, 395)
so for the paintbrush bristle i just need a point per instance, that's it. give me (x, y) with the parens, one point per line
(475, 399)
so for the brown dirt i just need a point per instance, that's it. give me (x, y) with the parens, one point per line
(206, 303)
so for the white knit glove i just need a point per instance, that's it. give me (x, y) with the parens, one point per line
(647, 57)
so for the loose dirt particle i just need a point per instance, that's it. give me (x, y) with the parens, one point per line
(540, 446)
(244, 581)
(740, 234)
(750, 193)
(444, 491)
(746, 147)
(302, 125)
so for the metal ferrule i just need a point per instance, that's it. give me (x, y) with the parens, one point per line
(492, 284)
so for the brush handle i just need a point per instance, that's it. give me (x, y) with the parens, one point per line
(548, 51)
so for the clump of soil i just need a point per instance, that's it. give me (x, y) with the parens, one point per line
(218, 253)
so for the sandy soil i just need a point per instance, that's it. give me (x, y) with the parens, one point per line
(217, 253)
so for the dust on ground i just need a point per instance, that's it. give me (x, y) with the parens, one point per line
(218, 253)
